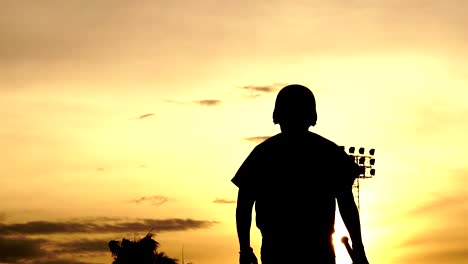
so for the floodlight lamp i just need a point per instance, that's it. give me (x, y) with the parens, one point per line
(362, 160)
(372, 162)
(372, 172)
(361, 150)
(372, 152)
(351, 149)
(362, 170)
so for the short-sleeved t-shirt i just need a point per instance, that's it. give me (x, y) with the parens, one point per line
(294, 181)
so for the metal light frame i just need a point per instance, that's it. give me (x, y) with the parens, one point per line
(367, 164)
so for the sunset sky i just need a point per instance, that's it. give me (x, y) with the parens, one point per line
(120, 117)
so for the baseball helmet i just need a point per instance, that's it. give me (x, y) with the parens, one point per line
(295, 103)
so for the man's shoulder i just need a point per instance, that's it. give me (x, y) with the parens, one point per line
(312, 139)
(321, 140)
(268, 145)
(269, 141)
(311, 136)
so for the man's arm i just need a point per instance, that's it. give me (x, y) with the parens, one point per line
(245, 202)
(350, 215)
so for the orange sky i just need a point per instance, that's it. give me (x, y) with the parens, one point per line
(120, 116)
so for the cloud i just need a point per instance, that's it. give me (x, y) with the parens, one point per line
(86, 226)
(446, 204)
(17, 249)
(2, 217)
(59, 261)
(13, 250)
(156, 200)
(16, 245)
(203, 102)
(438, 236)
(264, 88)
(438, 255)
(258, 90)
(174, 101)
(439, 116)
(257, 139)
(146, 115)
(208, 102)
(441, 202)
(444, 214)
(223, 201)
(28, 38)
(82, 246)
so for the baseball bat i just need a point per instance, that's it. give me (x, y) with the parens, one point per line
(345, 241)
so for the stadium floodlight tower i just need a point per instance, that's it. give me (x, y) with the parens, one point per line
(366, 162)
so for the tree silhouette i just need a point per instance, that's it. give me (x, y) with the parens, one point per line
(143, 251)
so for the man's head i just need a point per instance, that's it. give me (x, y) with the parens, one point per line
(295, 107)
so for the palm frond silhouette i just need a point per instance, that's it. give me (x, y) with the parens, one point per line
(143, 251)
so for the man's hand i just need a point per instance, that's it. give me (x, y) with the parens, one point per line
(357, 254)
(247, 256)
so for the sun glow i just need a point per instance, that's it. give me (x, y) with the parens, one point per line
(342, 256)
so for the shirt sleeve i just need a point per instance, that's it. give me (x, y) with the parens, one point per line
(248, 171)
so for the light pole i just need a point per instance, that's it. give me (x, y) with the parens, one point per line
(366, 162)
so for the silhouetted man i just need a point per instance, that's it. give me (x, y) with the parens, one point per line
(294, 179)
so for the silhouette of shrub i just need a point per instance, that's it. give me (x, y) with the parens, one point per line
(143, 251)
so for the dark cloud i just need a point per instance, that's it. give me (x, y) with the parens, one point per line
(223, 201)
(175, 224)
(82, 246)
(96, 219)
(19, 248)
(52, 260)
(146, 115)
(69, 227)
(153, 200)
(208, 102)
(257, 139)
